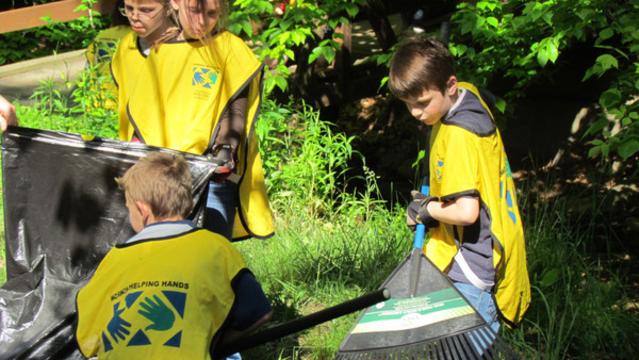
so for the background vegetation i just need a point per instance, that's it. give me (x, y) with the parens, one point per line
(339, 237)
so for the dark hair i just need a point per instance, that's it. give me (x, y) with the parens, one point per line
(420, 63)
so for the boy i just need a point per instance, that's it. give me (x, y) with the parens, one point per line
(476, 235)
(172, 289)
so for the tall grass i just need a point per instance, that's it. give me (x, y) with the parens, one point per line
(577, 309)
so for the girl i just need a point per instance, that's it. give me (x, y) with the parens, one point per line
(151, 24)
(199, 92)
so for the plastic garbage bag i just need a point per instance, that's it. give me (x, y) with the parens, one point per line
(62, 212)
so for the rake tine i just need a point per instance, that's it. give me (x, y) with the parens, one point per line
(462, 345)
(460, 348)
(451, 348)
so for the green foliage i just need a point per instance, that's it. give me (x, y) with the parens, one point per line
(577, 303)
(296, 35)
(522, 40)
(318, 156)
(88, 110)
(52, 38)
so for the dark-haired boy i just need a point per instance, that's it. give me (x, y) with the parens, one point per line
(476, 235)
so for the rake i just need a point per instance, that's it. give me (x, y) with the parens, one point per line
(426, 318)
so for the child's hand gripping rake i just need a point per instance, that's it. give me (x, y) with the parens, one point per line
(416, 253)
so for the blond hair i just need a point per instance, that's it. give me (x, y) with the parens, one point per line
(161, 180)
(420, 64)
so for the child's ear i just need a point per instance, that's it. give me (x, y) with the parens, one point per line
(451, 85)
(144, 209)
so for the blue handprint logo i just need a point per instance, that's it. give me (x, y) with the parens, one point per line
(156, 311)
(117, 326)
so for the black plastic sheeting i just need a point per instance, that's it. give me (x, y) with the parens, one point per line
(62, 212)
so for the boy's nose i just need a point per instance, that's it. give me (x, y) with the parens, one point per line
(416, 112)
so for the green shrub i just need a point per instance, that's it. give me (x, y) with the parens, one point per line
(55, 37)
(84, 111)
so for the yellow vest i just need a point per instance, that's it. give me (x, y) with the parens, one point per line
(101, 50)
(178, 99)
(464, 162)
(158, 299)
(126, 65)
(99, 54)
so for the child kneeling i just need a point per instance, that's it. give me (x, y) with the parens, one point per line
(171, 290)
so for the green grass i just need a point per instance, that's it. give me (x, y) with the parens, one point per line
(314, 263)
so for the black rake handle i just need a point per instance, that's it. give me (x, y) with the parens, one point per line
(303, 323)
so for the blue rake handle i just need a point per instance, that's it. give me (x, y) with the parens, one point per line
(416, 253)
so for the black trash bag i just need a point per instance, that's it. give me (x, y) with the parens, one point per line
(62, 212)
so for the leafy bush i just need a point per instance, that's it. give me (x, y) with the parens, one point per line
(294, 35)
(317, 156)
(521, 40)
(85, 111)
(52, 38)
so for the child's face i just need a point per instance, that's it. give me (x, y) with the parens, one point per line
(431, 105)
(197, 22)
(136, 218)
(148, 18)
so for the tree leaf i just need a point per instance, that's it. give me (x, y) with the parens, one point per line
(610, 98)
(492, 21)
(605, 34)
(594, 151)
(607, 61)
(500, 104)
(352, 10)
(542, 57)
(628, 148)
(596, 127)
(550, 278)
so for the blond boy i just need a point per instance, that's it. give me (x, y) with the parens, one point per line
(171, 290)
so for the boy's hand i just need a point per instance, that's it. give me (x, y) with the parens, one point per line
(417, 211)
(225, 156)
(7, 114)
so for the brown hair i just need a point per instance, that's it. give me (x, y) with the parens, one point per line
(420, 64)
(161, 180)
(223, 9)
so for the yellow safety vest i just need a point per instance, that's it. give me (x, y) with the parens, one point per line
(177, 102)
(158, 299)
(99, 54)
(463, 162)
(126, 65)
